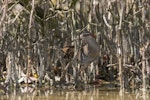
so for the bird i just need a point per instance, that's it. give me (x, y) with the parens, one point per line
(89, 48)
(88, 51)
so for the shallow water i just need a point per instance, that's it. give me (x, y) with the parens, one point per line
(90, 93)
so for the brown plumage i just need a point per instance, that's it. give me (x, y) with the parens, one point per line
(88, 52)
(68, 52)
(90, 48)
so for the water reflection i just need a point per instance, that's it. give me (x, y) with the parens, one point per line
(90, 93)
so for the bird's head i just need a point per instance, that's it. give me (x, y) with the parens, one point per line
(87, 35)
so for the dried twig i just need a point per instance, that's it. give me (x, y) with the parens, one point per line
(29, 35)
(4, 9)
(108, 25)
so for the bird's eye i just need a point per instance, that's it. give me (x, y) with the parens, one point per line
(85, 35)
